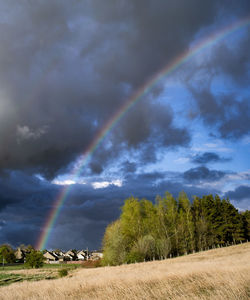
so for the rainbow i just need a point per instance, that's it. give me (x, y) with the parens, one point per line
(136, 96)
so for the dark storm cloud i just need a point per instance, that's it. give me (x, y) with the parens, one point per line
(2, 223)
(93, 209)
(24, 202)
(65, 68)
(240, 193)
(208, 157)
(16, 234)
(234, 61)
(128, 167)
(230, 116)
(14, 187)
(96, 167)
(203, 174)
(226, 113)
(86, 211)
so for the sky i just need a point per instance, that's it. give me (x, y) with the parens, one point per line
(67, 67)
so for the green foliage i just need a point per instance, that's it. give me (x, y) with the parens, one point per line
(134, 256)
(246, 224)
(62, 272)
(172, 227)
(7, 254)
(35, 259)
(114, 245)
(9, 278)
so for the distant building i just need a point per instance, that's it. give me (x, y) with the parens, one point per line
(71, 255)
(50, 257)
(20, 255)
(82, 255)
(95, 255)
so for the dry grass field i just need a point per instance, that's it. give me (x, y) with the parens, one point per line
(214, 274)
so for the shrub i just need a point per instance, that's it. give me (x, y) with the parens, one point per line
(63, 272)
(92, 263)
(134, 256)
(35, 259)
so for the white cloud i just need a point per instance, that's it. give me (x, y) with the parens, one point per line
(239, 176)
(105, 184)
(64, 182)
(212, 147)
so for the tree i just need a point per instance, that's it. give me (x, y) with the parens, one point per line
(113, 245)
(201, 224)
(186, 225)
(145, 247)
(35, 259)
(131, 222)
(233, 223)
(173, 227)
(246, 224)
(7, 254)
(171, 221)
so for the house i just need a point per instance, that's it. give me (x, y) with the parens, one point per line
(71, 255)
(60, 256)
(82, 255)
(20, 255)
(50, 257)
(95, 255)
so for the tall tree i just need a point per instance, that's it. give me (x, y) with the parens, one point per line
(186, 225)
(114, 245)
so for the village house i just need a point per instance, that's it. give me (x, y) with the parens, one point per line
(20, 255)
(95, 255)
(71, 255)
(59, 256)
(82, 255)
(50, 257)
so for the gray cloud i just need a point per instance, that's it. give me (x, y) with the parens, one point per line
(202, 173)
(65, 69)
(86, 212)
(208, 157)
(241, 193)
(228, 115)
(128, 167)
(69, 67)
(226, 112)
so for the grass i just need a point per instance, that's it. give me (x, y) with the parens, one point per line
(215, 274)
(19, 273)
(8, 278)
(45, 266)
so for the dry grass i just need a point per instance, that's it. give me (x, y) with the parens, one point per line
(215, 274)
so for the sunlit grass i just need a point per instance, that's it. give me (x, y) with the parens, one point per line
(215, 274)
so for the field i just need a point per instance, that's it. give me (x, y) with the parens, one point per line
(215, 274)
(11, 274)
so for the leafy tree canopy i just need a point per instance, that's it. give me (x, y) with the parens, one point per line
(35, 259)
(172, 227)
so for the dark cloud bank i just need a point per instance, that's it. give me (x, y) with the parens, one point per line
(208, 157)
(65, 69)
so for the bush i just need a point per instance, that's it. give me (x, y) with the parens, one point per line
(92, 263)
(134, 256)
(63, 272)
(35, 259)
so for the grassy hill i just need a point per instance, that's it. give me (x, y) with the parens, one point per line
(215, 274)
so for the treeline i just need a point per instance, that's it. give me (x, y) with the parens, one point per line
(7, 253)
(172, 227)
